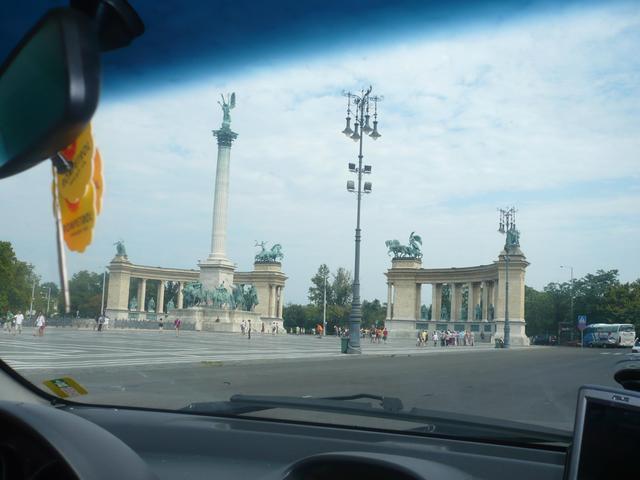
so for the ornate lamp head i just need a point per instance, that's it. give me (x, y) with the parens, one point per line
(347, 131)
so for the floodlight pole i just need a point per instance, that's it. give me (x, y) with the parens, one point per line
(361, 104)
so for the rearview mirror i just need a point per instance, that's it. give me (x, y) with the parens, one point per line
(49, 89)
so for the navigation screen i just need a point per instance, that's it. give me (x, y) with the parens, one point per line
(610, 441)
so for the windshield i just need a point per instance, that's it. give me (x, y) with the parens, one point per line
(426, 202)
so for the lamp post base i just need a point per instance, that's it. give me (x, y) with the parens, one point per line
(353, 350)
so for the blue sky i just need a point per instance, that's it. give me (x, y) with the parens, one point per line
(539, 111)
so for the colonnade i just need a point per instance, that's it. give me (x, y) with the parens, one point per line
(485, 287)
(266, 277)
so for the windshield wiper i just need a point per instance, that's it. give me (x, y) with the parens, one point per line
(431, 421)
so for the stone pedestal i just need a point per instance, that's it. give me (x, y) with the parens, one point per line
(267, 278)
(215, 320)
(119, 280)
(213, 274)
(407, 298)
(517, 266)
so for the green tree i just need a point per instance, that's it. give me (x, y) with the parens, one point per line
(337, 315)
(538, 312)
(293, 316)
(373, 313)
(342, 287)
(85, 292)
(312, 316)
(50, 290)
(316, 290)
(16, 280)
(623, 303)
(591, 295)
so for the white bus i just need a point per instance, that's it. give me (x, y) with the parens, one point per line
(609, 335)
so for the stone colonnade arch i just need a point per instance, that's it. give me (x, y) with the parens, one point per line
(485, 284)
(266, 277)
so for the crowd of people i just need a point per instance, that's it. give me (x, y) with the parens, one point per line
(446, 338)
(247, 329)
(13, 323)
(375, 334)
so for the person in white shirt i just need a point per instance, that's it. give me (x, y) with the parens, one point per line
(40, 324)
(106, 322)
(19, 320)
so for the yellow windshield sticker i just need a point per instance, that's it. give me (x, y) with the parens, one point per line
(65, 387)
(79, 191)
(72, 185)
(98, 182)
(78, 220)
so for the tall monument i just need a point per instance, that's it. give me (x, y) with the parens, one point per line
(217, 269)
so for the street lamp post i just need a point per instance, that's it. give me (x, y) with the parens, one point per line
(324, 308)
(33, 292)
(507, 225)
(48, 298)
(362, 103)
(570, 291)
(104, 276)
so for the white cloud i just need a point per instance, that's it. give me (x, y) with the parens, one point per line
(516, 114)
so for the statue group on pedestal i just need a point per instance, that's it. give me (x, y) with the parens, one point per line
(120, 250)
(269, 256)
(513, 239)
(413, 250)
(241, 297)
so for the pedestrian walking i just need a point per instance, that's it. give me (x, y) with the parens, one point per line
(161, 324)
(105, 323)
(243, 327)
(40, 324)
(262, 329)
(19, 320)
(177, 324)
(249, 330)
(385, 334)
(100, 322)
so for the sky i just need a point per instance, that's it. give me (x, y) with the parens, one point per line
(539, 111)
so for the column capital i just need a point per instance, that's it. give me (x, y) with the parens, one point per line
(225, 136)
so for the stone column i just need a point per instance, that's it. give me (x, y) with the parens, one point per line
(180, 295)
(281, 302)
(474, 299)
(436, 301)
(389, 300)
(217, 269)
(142, 293)
(221, 196)
(485, 300)
(456, 301)
(160, 297)
(271, 301)
(495, 292)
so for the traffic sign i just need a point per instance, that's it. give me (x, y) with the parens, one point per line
(582, 322)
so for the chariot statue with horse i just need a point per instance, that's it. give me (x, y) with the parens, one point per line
(269, 256)
(413, 250)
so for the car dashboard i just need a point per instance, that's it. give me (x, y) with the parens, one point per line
(181, 445)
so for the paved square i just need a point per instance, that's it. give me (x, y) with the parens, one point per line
(66, 348)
